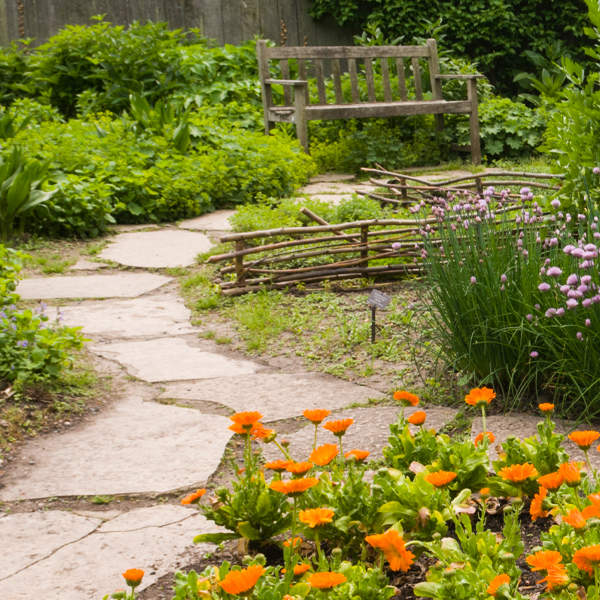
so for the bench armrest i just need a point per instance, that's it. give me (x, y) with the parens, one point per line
(295, 82)
(460, 76)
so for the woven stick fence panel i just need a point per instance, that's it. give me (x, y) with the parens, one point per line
(278, 258)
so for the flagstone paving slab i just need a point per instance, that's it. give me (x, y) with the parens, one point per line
(524, 426)
(132, 447)
(26, 538)
(328, 177)
(156, 249)
(164, 314)
(215, 221)
(172, 359)
(335, 188)
(123, 285)
(333, 199)
(87, 265)
(370, 430)
(276, 396)
(90, 568)
(126, 228)
(150, 516)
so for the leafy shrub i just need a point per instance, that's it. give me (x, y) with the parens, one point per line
(508, 129)
(31, 349)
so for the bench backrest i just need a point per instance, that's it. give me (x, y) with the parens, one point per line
(364, 54)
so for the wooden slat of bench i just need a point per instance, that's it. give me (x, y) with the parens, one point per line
(337, 81)
(417, 79)
(353, 80)
(370, 79)
(320, 81)
(382, 110)
(401, 79)
(302, 75)
(385, 76)
(284, 66)
(347, 52)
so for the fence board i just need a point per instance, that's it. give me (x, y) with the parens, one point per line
(226, 21)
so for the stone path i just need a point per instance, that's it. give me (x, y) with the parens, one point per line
(168, 433)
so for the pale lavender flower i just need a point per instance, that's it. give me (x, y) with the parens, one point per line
(529, 318)
(581, 217)
(537, 307)
(586, 303)
(543, 287)
(555, 203)
(542, 271)
(568, 249)
(596, 170)
(582, 288)
(554, 272)
(503, 278)
(396, 245)
(534, 354)
(572, 279)
(551, 312)
(586, 279)
(560, 312)
(572, 304)
(473, 280)
(588, 323)
(579, 335)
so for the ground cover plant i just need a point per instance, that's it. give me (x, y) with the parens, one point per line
(342, 536)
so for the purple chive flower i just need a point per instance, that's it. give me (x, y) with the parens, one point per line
(529, 318)
(579, 335)
(555, 203)
(534, 354)
(551, 312)
(568, 249)
(502, 288)
(473, 280)
(596, 170)
(396, 245)
(542, 271)
(565, 289)
(572, 279)
(560, 312)
(572, 304)
(537, 307)
(588, 323)
(586, 303)
(543, 287)
(554, 272)
(503, 278)
(586, 279)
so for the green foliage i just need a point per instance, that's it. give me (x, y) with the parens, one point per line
(404, 448)
(22, 189)
(495, 33)
(508, 129)
(31, 349)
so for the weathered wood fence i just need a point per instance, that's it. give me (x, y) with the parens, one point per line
(286, 22)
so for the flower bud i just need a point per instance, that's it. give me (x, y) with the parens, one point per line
(119, 594)
(285, 443)
(376, 489)
(436, 536)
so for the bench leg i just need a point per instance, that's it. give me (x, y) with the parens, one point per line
(474, 122)
(300, 117)
(439, 123)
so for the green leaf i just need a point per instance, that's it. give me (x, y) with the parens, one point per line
(300, 589)
(215, 538)
(427, 589)
(248, 531)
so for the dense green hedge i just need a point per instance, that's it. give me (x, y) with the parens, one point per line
(494, 33)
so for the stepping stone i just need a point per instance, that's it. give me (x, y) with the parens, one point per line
(126, 228)
(335, 188)
(133, 447)
(87, 265)
(26, 538)
(172, 359)
(333, 199)
(525, 426)
(164, 314)
(215, 221)
(156, 249)
(276, 396)
(123, 285)
(329, 177)
(157, 540)
(370, 431)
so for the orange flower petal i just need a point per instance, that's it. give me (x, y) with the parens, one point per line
(324, 454)
(417, 418)
(496, 583)
(313, 517)
(518, 473)
(440, 479)
(338, 428)
(480, 396)
(316, 416)
(584, 439)
(540, 561)
(193, 497)
(406, 398)
(240, 582)
(325, 581)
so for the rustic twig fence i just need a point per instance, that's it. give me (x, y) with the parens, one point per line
(297, 255)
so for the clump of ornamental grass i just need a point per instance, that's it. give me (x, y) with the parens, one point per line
(515, 298)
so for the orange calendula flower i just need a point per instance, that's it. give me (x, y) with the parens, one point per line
(313, 517)
(376, 540)
(552, 481)
(479, 438)
(440, 479)
(299, 469)
(241, 583)
(317, 416)
(279, 466)
(588, 558)
(496, 583)
(295, 487)
(595, 500)
(557, 577)
(590, 511)
(584, 439)
(575, 519)
(193, 498)
(298, 570)
(241, 430)
(326, 581)
(536, 509)
(546, 408)
(246, 420)
(297, 542)
(406, 398)
(570, 473)
(359, 455)
(338, 428)
(484, 493)
(518, 473)
(394, 549)
(260, 432)
(544, 559)
(480, 396)
(324, 454)
(417, 418)
(133, 577)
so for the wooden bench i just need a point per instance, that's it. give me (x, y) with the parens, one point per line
(301, 110)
